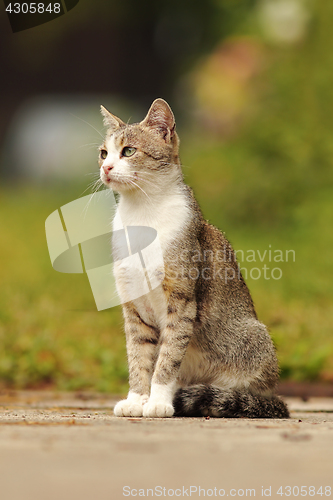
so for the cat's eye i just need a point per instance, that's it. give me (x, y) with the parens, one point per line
(103, 154)
(128, 151)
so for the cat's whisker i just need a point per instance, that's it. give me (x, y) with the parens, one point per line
(131, 176)
(96, 174)
(92, 185)
(148, 182)
(95, 189)
(98, 184)
(144, 192)
(84, 121)
(89, 145)
(129, 179)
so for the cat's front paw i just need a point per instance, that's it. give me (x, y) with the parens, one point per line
(128, 408)
(157, 410)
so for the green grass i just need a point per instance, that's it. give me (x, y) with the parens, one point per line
(50, 330)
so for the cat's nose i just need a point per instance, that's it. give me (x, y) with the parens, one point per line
(107, 168)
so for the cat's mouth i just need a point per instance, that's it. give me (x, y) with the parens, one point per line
(114, 181)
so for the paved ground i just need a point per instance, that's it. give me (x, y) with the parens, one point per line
(63, 446)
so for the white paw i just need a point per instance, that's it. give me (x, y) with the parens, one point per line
(128, 408)
(158, 410)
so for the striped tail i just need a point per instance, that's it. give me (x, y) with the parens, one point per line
(208, 400)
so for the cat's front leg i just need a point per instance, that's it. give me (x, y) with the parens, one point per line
(160, 404)
(141, 343)
(174, 341)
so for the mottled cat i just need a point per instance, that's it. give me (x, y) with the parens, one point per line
(194, 344)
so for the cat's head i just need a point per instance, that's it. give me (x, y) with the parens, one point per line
(140, 155)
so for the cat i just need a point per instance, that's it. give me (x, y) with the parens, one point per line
(194, 344)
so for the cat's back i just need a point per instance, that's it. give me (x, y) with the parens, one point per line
(221, 289)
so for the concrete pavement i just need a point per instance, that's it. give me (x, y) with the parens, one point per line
(70, 446)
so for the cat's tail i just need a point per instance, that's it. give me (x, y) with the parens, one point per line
(208, 400)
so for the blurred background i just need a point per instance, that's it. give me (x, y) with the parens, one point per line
(251, 85)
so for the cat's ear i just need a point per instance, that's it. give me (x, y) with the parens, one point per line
(160, 117)
(110, 120)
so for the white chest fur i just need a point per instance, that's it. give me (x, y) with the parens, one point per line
(166, 214)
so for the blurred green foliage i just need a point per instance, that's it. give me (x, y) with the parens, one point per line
(50, 330)
(288, 145)
(272, 184)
